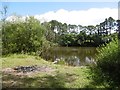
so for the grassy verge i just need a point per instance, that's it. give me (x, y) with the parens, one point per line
(59, 77)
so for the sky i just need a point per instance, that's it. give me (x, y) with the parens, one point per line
(82, 13)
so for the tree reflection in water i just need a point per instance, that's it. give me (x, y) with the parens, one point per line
(72, 56)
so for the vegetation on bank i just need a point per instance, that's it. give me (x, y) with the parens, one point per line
(78, 35)
(23, 37)
(107, 70)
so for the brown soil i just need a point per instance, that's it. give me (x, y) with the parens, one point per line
(20, 73)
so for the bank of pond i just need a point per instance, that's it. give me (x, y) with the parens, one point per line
(42, 74)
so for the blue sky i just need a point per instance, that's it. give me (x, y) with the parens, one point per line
(33, 8)
(83, 13)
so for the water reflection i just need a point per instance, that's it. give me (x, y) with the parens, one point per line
(74, 56)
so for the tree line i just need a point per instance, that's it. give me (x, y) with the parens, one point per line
(78, 35)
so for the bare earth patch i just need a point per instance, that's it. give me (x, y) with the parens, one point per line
(26, 70)
(15, 77)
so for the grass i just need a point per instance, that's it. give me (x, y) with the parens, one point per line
(60, 77)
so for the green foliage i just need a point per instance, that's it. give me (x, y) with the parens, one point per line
(68, 40)
(49, 33)
(82, 39)
(22, 36)
(107, 69)
(77, 35)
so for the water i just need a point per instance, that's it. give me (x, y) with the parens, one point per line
(73, 56)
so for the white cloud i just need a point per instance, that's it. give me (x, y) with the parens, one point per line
(91, 16)
(16, 18)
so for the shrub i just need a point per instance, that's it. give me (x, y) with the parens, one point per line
(107, 70)
(22, 36)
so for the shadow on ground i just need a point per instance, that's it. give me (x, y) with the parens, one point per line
(47, 81)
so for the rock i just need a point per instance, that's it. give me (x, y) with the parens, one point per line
(25, 69)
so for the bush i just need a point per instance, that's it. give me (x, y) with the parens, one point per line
(107, 70)
(22, 36)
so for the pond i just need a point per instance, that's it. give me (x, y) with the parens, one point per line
(72, 56)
